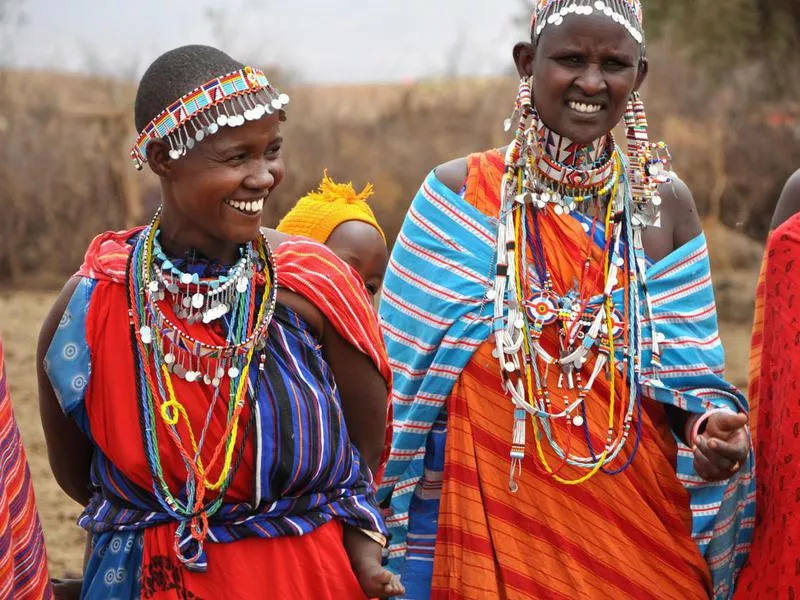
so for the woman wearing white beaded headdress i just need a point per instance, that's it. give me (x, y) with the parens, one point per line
(562, 426)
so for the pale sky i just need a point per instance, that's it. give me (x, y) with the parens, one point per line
(317, 40)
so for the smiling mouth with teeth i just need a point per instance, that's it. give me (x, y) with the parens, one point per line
(588, 109)
(249, 208)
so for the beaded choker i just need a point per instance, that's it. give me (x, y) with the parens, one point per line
(198, 299)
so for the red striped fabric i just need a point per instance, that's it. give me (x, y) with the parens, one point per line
(23, 560)
(773, 569)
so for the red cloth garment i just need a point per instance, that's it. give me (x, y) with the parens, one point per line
(304, 267)
(314, 565)
(311, 566)
(23, 560)
(773, 570)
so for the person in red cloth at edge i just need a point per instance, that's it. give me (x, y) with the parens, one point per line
(773, 569)
(562, 426)
(214, 393)
(23, 559)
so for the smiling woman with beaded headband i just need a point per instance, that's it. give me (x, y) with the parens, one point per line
(201, 378)
(562, 428)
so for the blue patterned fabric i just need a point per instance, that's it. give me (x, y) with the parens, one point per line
(114, 570)
(67, 362)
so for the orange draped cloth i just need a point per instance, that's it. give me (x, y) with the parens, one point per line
(624, 536)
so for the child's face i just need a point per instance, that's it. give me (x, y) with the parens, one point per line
(361, 246)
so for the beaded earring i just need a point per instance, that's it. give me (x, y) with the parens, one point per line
(648, 163)
(636, 138)
(523, 106)
(648, 168)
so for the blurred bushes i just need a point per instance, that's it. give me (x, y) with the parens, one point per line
(65, 173)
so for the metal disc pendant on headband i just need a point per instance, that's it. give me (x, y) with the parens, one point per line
(191, 118)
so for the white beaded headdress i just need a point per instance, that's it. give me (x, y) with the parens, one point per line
(228, 100)
(627, 13)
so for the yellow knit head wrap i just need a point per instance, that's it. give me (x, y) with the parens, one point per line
(318, 213)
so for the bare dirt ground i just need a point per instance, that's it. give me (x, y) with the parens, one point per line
(21, 314)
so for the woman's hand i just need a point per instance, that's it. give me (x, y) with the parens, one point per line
(722, 448)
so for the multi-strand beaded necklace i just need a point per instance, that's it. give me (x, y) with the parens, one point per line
(243, 302)
(586, 325)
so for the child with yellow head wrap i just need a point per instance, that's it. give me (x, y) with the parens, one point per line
(339, 217)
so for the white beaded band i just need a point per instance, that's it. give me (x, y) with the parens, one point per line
(618, 11)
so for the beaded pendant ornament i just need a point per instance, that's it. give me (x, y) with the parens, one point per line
(225, 101)
(623, 190)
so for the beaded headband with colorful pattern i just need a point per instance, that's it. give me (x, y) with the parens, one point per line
(243, 95)
(627, 13)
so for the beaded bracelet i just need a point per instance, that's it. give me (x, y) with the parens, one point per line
(694, 424)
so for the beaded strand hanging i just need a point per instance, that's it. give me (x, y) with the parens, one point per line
(621, 191)
(163, 349)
